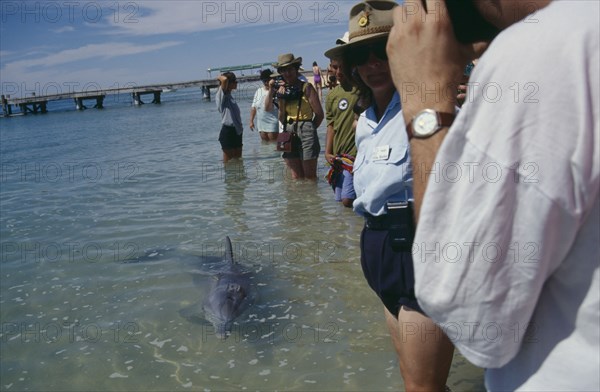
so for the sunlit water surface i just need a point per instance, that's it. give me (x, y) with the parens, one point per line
(111, 223)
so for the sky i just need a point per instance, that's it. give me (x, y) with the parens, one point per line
(49, 47)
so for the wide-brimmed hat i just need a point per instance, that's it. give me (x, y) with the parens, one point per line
(283, 60)
(369, 21)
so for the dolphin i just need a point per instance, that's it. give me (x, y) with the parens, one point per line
(229, 296)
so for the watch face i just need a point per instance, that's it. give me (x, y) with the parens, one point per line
(425, 124)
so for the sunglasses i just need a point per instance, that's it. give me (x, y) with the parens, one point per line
(360, 55)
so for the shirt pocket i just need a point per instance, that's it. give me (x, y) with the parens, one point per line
(398, 155)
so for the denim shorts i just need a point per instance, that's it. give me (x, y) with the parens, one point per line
(389, 273)
(309, 146)
(344, 187)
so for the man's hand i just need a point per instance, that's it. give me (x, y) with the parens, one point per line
(427, 64)
(223, 82)
(425, 58)
(330, 158)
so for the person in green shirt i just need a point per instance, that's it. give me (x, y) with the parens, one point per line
(340, 147)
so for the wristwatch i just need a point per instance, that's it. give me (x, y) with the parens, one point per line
(427, 122)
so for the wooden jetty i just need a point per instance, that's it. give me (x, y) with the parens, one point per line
(38, 104)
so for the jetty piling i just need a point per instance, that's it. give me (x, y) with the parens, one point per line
(137, 99)
(137, 96)
(79, 105)
(34, 107)
(6, 108)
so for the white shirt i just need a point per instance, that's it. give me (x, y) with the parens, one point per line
(265, 121)
(507, 250)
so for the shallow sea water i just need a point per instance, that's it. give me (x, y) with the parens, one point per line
(110, 223)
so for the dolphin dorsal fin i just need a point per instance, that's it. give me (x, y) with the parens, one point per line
(228, 250)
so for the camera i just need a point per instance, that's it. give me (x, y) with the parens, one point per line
(278, 82)
(468, 24)
(290, 93)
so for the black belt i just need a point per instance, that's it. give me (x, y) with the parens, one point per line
(378, 223)
(301, 122)
(399, 221)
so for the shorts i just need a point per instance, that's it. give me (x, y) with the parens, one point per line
(309, 146)
(229, 138)
(389, 273)
(344, 187)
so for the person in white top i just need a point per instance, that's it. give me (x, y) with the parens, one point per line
(266, 121)
(506, 254)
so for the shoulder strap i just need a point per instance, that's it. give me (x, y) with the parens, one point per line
(299, 105)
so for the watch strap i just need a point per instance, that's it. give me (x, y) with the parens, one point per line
(444, 120)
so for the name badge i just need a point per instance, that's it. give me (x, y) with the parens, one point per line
(381, 153)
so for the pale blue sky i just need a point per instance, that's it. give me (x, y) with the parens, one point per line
(66, 45)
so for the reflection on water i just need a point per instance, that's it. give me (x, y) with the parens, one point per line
(236, 182)
(95, 269)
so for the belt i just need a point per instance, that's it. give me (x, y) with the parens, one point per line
(381, 222)
(291, 121)
(399, 221)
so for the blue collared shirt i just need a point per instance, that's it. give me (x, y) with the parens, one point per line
(382, 170)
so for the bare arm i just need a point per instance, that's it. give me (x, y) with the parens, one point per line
(223, 82)
(329, 144)
(269, 100)
(282, 114)
(220, 96)
(252, 117)
(429, 38)
(315, 104)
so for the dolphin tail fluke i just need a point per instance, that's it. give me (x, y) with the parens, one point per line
(228, 250)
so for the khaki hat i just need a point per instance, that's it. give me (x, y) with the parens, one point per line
(369, 20)
(283, 60)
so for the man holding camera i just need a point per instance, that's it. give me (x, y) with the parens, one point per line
(301, 113)
(507, 262)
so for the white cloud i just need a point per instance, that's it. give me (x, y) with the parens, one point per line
(180, 16)
(107, 50)
(47, 68)
(65, 29)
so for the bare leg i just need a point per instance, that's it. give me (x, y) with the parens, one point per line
(296, 168)
(238, 152)
(347, 202)
(272, 136)
(310, 169)
(424, 351)
(232, 153)
(228, 155)
(264, 136)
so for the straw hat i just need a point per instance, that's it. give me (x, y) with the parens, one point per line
(369, 20)
(283, 60)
